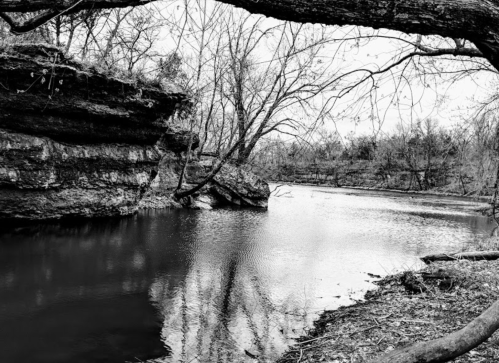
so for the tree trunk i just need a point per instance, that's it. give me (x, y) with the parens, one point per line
(473, 256)
(241, 132)
(473, 20)
(36, 5)
(451, 346)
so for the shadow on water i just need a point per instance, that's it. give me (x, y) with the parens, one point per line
(110, 329)
(79, 291)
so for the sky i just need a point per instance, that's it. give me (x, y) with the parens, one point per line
(438, 96)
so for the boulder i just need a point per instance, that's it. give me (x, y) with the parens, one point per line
(234, 185)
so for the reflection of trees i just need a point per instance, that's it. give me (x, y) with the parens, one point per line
(213, 304)
(221, 309)
(215, 321)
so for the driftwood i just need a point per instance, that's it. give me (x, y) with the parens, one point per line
(415, 283)
(473, 256)
(451, 346)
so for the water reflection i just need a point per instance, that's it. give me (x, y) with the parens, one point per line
(223, 308)
(214, 286)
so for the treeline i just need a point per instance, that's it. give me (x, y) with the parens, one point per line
(250, 80)
(425, 156)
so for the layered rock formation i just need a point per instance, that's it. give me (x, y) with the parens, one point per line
(75, 141)
(236, 186)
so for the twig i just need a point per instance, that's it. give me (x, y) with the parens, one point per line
(363, 330)
(418, 321)
(386, 316)
(402, 334)
(312, 340)
(277, 187)
(301, 355)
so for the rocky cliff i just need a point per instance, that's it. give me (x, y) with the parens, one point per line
(75, 141)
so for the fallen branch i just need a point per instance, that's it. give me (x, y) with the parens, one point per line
(451, 346)
(473, 256)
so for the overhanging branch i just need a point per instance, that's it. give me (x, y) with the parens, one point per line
(52, 9)
(37, 5)
(38, 20)
(474, 20)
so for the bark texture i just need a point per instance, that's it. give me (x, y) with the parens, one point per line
(473, 256)
(451, 346)
(35, 5)
(474, 20)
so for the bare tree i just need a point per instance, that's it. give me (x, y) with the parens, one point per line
(471, 24)
(276, 93)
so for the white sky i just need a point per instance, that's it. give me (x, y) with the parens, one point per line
(447, 102)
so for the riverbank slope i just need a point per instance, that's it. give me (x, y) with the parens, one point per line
(391, 317)
(369, 175)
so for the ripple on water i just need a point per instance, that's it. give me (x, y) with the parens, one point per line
(221, 281)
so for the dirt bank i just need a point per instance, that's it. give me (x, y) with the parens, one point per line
(391, 317)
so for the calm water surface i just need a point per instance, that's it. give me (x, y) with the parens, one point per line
(206, 286)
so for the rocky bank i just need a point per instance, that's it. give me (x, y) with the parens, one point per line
(370, 175)
(76, 142)
(231, 186)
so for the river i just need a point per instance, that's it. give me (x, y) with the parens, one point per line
(211, 286)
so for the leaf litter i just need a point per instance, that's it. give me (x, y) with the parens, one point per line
(393, 316)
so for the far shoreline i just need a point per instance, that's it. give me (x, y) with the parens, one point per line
(485, 199)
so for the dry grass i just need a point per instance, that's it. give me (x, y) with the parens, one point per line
(482, 244)
(391, 318)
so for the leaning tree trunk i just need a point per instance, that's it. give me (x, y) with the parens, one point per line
(451, 346)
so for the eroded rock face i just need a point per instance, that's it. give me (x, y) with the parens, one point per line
(44, 94)
(75, 142)
(178, 140)
(232, 185)
(41, 178)
(236, 186)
